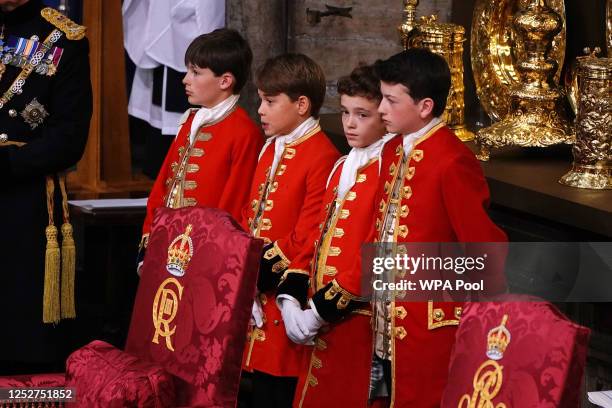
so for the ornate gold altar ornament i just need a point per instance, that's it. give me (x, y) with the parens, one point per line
(592, 95)
(165, 307)
(180, 253)
(520, 64)
(488, 379)
(495, 51)
(446, 40)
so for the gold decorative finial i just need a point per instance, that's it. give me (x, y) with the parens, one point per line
(409, 24)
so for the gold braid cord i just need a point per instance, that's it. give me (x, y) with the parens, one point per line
(51, 291)
(58, 294)
(68, 257)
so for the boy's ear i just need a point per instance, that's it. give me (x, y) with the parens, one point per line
(427, 105)
(303, 104)
(226, 81)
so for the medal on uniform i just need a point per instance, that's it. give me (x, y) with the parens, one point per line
(34, 113)
(19, 51)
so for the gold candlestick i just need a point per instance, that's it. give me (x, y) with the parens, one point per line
(537, 116)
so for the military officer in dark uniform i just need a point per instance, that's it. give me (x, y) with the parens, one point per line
(45, 109)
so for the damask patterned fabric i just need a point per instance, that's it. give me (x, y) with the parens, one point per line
(542, 365)
(105, 377)
(33, 381)
(194, 302)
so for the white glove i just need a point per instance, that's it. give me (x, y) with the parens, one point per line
(257, 313)
(313, 321)
(293, 317)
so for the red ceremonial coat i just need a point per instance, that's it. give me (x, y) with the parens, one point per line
(338, 367)
(443, 198)
(215, 171)
(288, 217)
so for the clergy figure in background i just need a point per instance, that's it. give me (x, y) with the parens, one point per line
(156, 36)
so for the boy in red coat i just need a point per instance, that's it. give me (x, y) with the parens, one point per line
(285, 198)
(431, 189)
(212, 159)
(338, 366)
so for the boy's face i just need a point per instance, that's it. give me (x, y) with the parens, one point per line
(361, 121)
(400, 113)
(279, 114)
(203, 87)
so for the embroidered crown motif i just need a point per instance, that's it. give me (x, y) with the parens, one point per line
(498, 340)
(180, 253)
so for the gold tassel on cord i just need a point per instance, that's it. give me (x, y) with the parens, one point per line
(51, 292)
(68, 258)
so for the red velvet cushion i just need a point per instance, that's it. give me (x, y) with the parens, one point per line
(543, 363)
(106, 377)
(193, 321)
(35, 380)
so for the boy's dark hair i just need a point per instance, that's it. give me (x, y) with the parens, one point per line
(294, 75)
(361, 82)
(222, 50)
(425, 74)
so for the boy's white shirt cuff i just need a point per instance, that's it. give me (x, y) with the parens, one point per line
(314, 310)
(281, 297)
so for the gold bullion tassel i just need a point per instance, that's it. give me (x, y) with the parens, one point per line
(68, 258)
(51, 305)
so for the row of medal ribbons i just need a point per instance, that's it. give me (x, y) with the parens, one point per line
(17, 51)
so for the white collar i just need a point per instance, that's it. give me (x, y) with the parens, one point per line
(356, 159)
(410, 138)
(205, 116)
(281, 140)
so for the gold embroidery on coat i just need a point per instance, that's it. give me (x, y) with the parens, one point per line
(165, 307)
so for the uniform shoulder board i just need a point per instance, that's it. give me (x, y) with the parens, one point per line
(72, 30)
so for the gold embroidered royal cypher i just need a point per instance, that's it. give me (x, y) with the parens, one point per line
(165, 307)
(488, 379)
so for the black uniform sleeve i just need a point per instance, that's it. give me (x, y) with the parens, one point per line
(272, 265)
(333, 302)
(64, 133)
(295, 284)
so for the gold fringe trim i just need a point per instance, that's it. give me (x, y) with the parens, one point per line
(58, 294)
(68, 272)
(51, 291)
(51, 305)
(68, 258)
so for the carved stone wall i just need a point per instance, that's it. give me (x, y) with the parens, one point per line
(337, 43)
